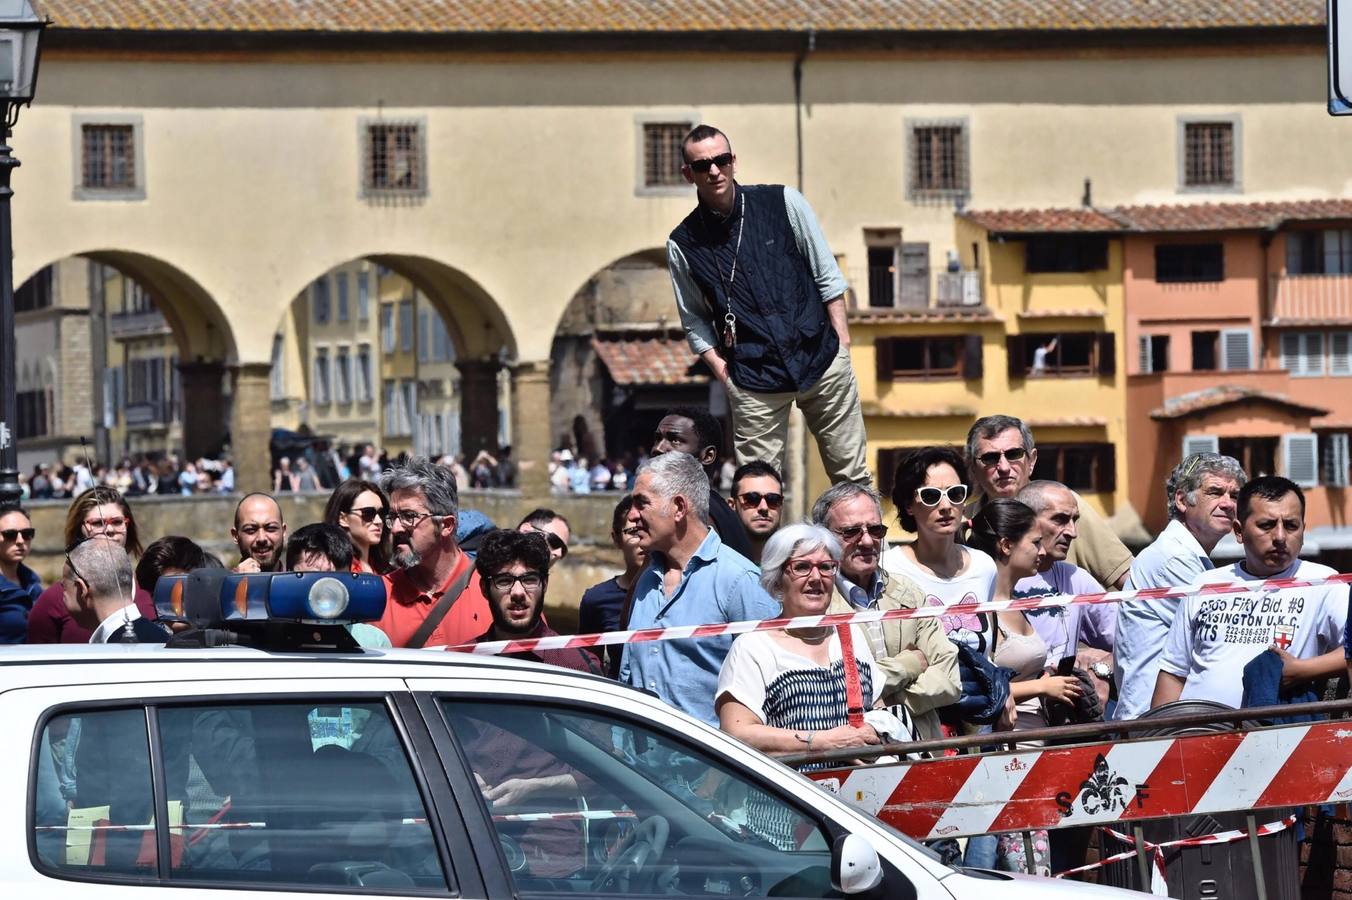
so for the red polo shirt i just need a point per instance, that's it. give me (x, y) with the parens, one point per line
(407, 607)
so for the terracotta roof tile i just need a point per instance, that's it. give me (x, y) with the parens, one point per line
(933, 315)
(1043, 221)
(1154, 219)
(873, 410)
(1061, 314)
(1224, 395)
(661, 357)
(621, 16)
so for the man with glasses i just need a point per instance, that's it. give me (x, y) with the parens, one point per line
(432, 600)
(1001, 458)
(758, 500)
(762, 301)
(513, 569)
(259, 533)
(552, 527)
(919, 661)
(99, 592)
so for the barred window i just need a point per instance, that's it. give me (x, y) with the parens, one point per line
(1209, 154)
(662, 153)
(394, 158)
(108, 159)
(938, 159)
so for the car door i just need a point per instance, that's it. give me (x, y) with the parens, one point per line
(304, 786)
(578, 797)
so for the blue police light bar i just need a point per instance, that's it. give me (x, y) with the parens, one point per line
(208, 598)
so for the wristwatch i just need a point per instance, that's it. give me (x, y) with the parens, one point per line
(1102, 670)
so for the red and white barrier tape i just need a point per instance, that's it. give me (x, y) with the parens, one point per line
(580, 816)
(719, 629)
(1158, 884)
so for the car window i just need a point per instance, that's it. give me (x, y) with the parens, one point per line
(295, 793)
(583, 801)
(94, 799)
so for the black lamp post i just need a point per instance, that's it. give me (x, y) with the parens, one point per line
(20, 34)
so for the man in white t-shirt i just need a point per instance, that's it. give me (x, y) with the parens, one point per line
(1214, 636)
(1201, 495)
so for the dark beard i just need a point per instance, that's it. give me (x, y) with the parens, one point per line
(405, 557)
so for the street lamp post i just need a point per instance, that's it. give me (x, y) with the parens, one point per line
(20, 34)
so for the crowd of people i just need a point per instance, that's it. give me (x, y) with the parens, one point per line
(162, 474)
(984, 529)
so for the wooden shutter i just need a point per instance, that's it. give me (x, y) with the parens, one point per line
(972, 364)
(915, 276)
(888, 458)
(1144, 355)
(882, 355)
(1237, 350)
(1300, 458)
(1106, 469)
(1336, 461)
(1015, 347)
(1200, 443)
(1340, 353)
(1107, 354)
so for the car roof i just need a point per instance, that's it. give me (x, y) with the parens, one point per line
(37, 665)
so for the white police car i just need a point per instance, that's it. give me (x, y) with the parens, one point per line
(160, 771)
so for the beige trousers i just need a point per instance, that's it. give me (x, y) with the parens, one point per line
(760, 422)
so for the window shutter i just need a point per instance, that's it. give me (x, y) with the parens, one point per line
(1340, 353)
(1236, 350)
(1107, 354)
(1290, 351)
(1018, 360)
(1300, 458)
(1200, 443)
(882, 353)
(1106, 469)
(972, 365)
(1145, 359)
(888, 457)
(1336, 461)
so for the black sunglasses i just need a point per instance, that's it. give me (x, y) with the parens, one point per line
(1013, 454)
(13, 534)
(555, 542)
(369, 514)
(752, 499)
(722, 160)
(877, 532)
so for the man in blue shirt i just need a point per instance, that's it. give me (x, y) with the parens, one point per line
(691, 579)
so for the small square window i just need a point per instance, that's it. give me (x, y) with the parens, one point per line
(662, 153)
(938, 161)
(1209, 156)
(1189, 263)
(395, 159)
(109, 160)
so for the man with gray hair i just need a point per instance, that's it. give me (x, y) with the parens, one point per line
(431, 598)
(692, 578)
(1201, 496)
(918, 660)
(100, 594)
(1001, 457)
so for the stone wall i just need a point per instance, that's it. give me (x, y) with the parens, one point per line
(207, 520)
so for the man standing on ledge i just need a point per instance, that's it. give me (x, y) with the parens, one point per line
(762, 301)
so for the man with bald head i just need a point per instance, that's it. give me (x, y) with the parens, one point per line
(260, 534)
(100, 594)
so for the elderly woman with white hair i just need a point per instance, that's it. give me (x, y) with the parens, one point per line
(785, 691)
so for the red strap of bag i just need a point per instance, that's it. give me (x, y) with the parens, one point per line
(854, 695)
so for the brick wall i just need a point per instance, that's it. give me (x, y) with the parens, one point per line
(1326, 856)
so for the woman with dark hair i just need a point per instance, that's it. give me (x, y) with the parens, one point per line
(98, 511)
(19, 585)
(928, 492)
(1008, 532)
(361, 509)
(171, 555)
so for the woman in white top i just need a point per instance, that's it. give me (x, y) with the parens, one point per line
(928, 492)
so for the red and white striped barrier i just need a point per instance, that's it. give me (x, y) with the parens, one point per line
(642, 635)
(590, 815)
(1293, 765)
(1158, 872)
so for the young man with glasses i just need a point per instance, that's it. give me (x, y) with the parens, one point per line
(1001, 458)
(918, 660)
(432, 598)
(758, 500)
(552, 527)
(513, 569)
(762, 301)
(260, 534)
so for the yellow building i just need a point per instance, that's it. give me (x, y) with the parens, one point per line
(1028, 323)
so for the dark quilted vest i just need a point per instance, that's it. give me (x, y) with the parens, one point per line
(785, 341)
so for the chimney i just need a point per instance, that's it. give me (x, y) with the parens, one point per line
(1088, 198)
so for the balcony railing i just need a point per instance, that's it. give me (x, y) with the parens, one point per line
(958, 289)
(137, 324)
(1315, 298)
(881, 288)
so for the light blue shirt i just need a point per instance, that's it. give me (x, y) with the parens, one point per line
(857, 596)
(1175, 558)
(718, 585)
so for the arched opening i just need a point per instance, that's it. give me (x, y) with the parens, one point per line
(123, 352)
(619, 359)
(398, 352)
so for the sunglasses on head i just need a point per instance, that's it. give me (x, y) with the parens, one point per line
(368, 513)
(1013, 454)
(852, 533)
(752, 499)
(13, 534)
(722, 160)
(930, 496)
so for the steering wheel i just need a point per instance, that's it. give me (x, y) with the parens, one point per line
(626, 864)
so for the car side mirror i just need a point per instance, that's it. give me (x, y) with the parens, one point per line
(855, 866)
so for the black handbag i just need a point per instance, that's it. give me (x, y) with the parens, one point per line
(985, 690)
